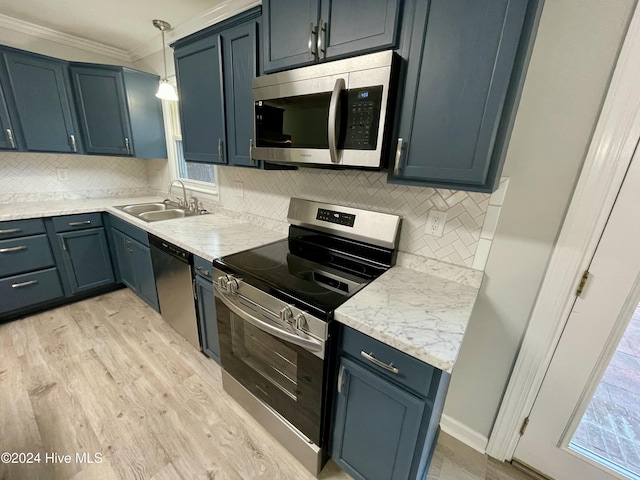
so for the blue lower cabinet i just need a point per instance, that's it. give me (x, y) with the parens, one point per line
(143, 271)
(22, 291)
(376, 425)
(207, 317)
(86, 258)
(25, 254)
(134, 263)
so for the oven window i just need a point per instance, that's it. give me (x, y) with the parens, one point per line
(264, 354)
(293, 122)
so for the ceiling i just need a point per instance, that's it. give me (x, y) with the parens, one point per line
(121, 24)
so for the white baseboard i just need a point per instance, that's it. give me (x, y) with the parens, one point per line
(463, 433)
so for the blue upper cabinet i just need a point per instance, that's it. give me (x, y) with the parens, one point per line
(41, 92)
(7, 132)
(199, 73)
(240, 67)
(102, 109)
(289, 33)
(298, 33)
(118, 111)
(463, 76)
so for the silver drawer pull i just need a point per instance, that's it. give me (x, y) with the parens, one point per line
(13, 249)
(76, 224)
(375, 361)
(203, 271)
(24, 284)
(11, 230)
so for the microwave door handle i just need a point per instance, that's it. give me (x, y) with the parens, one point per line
(308, 344)
(334, 112)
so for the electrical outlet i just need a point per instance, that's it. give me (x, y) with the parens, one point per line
(238, 189)
(435, 223)
(63, 174)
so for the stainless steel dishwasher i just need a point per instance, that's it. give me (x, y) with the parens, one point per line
(172, 269)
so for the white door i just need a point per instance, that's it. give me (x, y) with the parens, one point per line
(592, 333)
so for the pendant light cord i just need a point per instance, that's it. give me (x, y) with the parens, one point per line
(164, 56)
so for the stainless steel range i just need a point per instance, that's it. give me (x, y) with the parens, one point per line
(274, 306)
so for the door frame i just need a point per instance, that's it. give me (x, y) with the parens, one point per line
(610, 152)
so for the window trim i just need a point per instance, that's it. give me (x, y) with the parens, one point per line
(173, 134)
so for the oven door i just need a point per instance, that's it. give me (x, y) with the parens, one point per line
(282, 371)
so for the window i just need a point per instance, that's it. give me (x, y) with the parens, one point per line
(196, 176)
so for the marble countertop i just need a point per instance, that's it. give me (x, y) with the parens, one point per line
(420, 306)
(418, 313)
(208, 236)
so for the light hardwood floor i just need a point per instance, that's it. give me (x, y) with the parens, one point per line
(107, 376)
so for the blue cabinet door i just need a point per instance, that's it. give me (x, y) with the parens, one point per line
(207, 317)
(357, 26)
(199, 74)
(7, 132)
(288, 37)
(102, 109)
(143, 271)
(42, 95)
(452, 110)
(123, 256)
(86, 259)
(240, 67)
(376, 425)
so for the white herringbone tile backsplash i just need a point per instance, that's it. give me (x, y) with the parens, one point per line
(267, 193)
(34, 176)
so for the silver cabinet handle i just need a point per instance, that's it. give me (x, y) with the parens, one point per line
(194, 289)
(24, 284)
(312, 31)
(251, 161)
(396, 167)
(74, 147)
(127, 145)
(322, 32)
(64, 245)
(220, 152)
(340, 378)
(84, 222)
(375, 361)
(13, 249)
(10, 230)
(10, 137)
(334, 106)
(203, 271)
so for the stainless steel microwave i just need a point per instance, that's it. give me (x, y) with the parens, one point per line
(332, 114)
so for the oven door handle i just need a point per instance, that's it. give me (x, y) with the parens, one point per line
(308, 344)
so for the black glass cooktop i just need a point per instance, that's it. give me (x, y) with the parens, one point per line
(310, 271)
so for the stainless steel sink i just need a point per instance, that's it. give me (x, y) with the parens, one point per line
(157, 211)
(143, 207)
(165, 214)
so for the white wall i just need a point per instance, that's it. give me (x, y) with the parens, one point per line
(574, 54)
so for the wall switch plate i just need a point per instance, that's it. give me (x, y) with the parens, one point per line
(63, 174)
(435, 223)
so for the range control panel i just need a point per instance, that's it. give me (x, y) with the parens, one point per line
(332, 216)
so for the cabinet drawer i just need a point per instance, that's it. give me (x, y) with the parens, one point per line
(130, 230)
(203, 267)
(25, 254)
(67, 223)
(21, 228)
(28, 289)
(412, 373)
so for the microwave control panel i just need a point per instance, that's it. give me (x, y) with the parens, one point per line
(362, 118)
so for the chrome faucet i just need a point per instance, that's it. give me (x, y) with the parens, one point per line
(183, 202)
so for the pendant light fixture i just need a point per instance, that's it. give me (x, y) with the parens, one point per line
(166, 91)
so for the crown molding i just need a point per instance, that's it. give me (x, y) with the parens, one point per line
(34, 30)
(215, 15)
